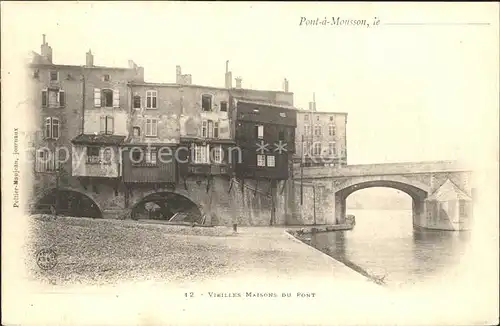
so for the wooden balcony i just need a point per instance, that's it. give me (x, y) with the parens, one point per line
(207, 169)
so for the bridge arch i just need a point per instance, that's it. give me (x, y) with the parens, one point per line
(69, 202)
(166, 205)
(413, 188)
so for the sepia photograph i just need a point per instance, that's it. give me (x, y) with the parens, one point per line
(250, 163)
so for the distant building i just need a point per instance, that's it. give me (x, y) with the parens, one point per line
(320, 137)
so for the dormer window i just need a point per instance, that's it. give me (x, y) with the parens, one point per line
(105, 78)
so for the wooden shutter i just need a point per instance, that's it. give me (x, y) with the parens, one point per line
(110, 125)
(97, 97)
(44, 98)
(154, 127)
(48, 130)
(103, 125)
(116, 98)
(62, 99)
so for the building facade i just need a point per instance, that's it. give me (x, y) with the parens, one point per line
(265, 133)
(131, 145)
(321, 137)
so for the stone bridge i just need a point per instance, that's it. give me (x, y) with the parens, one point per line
(441, 191)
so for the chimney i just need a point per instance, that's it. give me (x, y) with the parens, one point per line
(311, 106)
(314, 102)
(229, 76)
(285, 85)
(178, 74)
(238, 82)
(89, 62)
(46, 50)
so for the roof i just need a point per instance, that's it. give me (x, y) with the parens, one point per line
(204, 140)
(303, 111)
(281, 106)
(449, 191)
(98, 139)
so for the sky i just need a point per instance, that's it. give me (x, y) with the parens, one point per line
(412, 92)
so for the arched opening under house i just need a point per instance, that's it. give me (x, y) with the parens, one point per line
(67, 203)
(167, 206)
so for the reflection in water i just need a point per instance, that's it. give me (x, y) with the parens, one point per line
(384, 244)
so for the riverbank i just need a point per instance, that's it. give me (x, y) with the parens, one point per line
(96, 251)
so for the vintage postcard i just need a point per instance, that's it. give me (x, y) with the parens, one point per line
(249, 163)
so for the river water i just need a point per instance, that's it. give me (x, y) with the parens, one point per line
(384, 245)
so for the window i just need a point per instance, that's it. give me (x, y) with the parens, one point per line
(462, 211)
(216, 130)
(331, 148)
(223, 106)
(218, 154)
(204, 129)
(331, 130)
(51, 130)
(151, 127)
(317, 149)
(331, 118)
(107, 155)
(136, 156)
(107, 98)
(283, 114)
(44, 161)
(105, 78)
(307, 130)
(107, 125)
(271, 161)
(53, 98)
(151, 156)
(210, 129)
(305, 149)
(54, 75)
(281, 135)
(306, 117)
(206, 102)
(93, 154)
(36, 74)
(317, 130)
(137, 131)
(317, 118)
(55, 128)
(137, 102)
(259, 130)
(151, 100)
(201, 154)
(261, 160)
